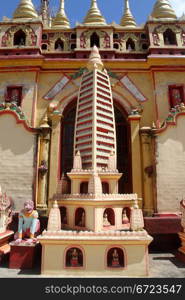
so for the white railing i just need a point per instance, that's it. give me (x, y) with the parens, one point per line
(99, 197)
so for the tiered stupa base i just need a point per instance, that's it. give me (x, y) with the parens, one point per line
(95, 258)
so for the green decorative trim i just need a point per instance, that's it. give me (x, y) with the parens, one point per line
(79, 73)
(113, 75)
(12, 106)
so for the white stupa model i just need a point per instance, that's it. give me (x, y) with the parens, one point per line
(101, 230)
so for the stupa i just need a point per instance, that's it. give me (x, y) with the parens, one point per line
(94, 222)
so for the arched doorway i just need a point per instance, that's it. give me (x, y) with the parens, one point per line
(67, 141)
(59, 45)
(19, 38)
(169, 37)
(115, 258)
(123, 135)
(95, 40)
(130, 45)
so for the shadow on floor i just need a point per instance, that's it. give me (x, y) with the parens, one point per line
(169, 257)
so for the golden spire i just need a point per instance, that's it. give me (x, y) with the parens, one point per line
(95, 61)
(25, 10)
(94, 15)
(163, 10)
(127, 20)
(61, 20)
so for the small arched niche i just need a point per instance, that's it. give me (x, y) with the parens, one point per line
(44, 46)
(84, 187)
(19, 38)
(59, 45)
(94, 40)
(130, 45)
(44, 36)
(105, 187)
(80, 217)
(108, 217)
(116, 45)
(63, 213)
(126, 215)
(169, 37)
(73, 36)
(74, 258)
(115, 258)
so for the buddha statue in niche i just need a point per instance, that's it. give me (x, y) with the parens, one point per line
(115, 259)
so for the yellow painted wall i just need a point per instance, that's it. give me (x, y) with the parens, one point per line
(17, 150)
(170, 167)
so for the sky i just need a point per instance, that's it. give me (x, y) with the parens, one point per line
(111, 9)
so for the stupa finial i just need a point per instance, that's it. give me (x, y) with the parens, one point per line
(127, 20)
(61, 20)
(95, 61)
(163, 10)
(25, 10)
(94, 15)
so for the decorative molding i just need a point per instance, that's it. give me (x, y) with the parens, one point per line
(57, 88)
(8, 37)
(163, 28)
(103, 35)
(54, 37)
(171, 120)
(132, 88)
(13, 109)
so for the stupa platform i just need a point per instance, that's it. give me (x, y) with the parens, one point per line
(132, 247)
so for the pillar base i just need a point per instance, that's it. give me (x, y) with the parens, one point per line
(42, 209)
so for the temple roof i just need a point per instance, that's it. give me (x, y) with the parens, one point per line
(25, 10)
(163, 10)
(61, 20)
(94, 16)
(127, 20)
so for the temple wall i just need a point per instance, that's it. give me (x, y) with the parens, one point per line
(143, 81)
(17, 150)
(171, 167)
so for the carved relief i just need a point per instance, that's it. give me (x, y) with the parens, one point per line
(156, 39)
(163, 28)
(8, 38)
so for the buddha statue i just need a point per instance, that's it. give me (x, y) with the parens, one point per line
(105, 220)
(82, 220)
(115, 259)
(74, 258)
(125, 219)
